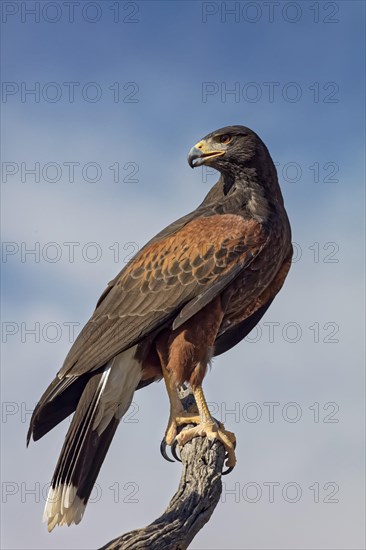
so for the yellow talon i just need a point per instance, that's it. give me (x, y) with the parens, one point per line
(212, 430)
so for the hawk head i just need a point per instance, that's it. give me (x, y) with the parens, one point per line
(227, 149)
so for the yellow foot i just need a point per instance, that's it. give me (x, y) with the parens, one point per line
(213, 431)
(179, 420)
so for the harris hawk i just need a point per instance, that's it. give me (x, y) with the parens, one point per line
(191, 293)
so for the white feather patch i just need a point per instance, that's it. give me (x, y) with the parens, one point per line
(123, 375)
(63, 507)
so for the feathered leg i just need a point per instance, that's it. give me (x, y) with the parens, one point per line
(184, 356)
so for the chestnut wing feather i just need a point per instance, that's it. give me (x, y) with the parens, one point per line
(171, 278)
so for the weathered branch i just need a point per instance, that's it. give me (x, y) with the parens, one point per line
(192, 505)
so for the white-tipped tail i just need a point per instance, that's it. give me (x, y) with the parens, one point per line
(104, 401)
(63, 507)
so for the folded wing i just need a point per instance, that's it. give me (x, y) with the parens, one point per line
(173, 277)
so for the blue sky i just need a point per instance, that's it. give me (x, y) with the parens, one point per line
(174, 68)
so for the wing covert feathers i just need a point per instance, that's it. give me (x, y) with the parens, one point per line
(195, 263)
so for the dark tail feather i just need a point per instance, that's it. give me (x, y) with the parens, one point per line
(80, 460)
(104, 400)
(58, 401)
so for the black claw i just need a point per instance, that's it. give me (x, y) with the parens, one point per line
(163, 451)
(226, 472)
(174, 450)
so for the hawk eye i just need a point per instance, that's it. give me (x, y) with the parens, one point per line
(225, 139)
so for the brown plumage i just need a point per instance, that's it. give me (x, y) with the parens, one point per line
(192, 292)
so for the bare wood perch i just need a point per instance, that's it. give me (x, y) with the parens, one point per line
(192, 505)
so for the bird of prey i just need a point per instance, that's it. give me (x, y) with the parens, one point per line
(191, 293)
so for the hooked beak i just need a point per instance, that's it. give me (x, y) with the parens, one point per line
(199, 154)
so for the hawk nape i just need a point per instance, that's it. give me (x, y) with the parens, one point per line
(192, 292)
